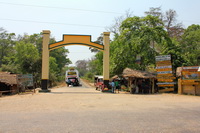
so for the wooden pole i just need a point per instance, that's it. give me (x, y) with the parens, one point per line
(153, 86)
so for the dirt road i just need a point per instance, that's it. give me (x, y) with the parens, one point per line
(84, 110)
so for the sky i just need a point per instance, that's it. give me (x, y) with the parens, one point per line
(84, 17)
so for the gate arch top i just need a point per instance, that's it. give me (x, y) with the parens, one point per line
(84, 40)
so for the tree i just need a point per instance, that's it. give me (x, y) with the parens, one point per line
(60, 55)
(169, 18)
(53, 71)
(96, 64)
(82, 66)
(175, 50)
(6, 44)
(115, 28)
(26, 56)
(99, 41)
(191, 44)
(138, 35)
(156, 12)
(174, 29)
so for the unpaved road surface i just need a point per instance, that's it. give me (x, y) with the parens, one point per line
(84, 110)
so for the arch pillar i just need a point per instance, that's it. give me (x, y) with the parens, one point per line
(106, 54)
(45, 61)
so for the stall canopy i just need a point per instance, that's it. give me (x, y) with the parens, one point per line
(137, 74)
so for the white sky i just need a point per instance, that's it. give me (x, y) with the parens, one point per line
(87, 17)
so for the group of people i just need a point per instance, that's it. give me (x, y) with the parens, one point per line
(115, 85)
(138, 86)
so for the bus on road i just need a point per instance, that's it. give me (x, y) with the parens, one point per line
(72, 77)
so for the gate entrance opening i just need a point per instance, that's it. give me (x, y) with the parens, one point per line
(84, 40)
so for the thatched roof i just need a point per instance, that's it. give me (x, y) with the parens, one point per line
(137, 73)
(7, 78)
(115, 77)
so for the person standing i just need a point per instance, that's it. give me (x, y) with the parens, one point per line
(113, 86)
(133, 87)
(117, 85)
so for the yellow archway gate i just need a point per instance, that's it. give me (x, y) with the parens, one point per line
(84, 40)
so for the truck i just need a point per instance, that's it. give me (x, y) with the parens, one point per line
(72, 77)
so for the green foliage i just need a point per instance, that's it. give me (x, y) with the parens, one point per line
(52, 70)
(60, 55)
(154, 34)
(186, 51)
(25, 56)
(191, 44)
(89, 76)
(96, 65)
(6, 44)
(9, 68)
(35, 39)
(138, 36)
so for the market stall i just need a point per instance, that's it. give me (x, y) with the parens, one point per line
(142, 79)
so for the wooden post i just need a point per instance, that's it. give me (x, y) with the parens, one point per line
(195, 86)
(180, 89)
(153, 86)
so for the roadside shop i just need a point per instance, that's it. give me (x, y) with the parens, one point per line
(15, 83)
(189, 80)
(8, 83)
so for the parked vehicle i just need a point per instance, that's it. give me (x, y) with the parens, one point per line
(98, 83)
(72, 77)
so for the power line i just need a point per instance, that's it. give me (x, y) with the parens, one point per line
(31, 21)
(15, 4)
(190, 21)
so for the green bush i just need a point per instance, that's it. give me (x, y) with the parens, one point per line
(89, 76)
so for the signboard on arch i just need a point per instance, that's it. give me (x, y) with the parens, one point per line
(84, 40)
